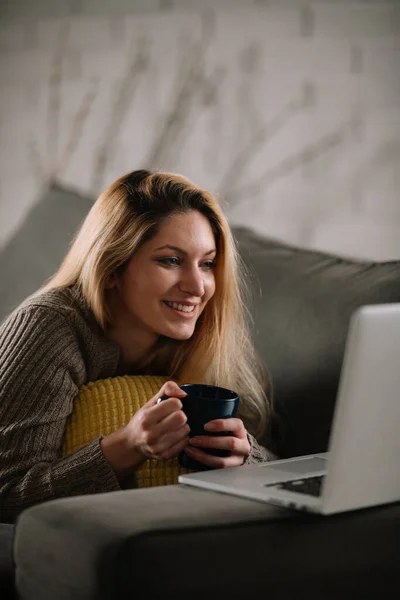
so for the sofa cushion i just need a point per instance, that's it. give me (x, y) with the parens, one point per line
(303, 300)
(107, 404)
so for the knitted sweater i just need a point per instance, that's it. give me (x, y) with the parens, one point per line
(49, 347)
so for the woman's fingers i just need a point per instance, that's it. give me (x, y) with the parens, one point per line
(215, 462)
(161, 428)
(161, 411)
(232, 444)
(236, 443)
(156, 412)
(174, 421)
(235, 426)
(174, 449)
(162, 438)
(151, 438)
(170, 388)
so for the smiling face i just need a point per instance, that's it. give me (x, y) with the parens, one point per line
(166, 285)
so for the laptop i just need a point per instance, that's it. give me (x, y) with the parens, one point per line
(361, 467)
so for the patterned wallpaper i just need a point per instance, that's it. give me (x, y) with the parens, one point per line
(289, 111)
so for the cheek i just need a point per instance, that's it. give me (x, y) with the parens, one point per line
(211, 285)
(143, 285)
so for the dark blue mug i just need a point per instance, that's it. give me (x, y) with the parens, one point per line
(202, 404)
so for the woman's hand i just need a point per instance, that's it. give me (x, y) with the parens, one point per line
(156, 431)
(237, 444)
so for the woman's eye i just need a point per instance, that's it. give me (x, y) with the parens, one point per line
(209, 264)
(169, 261)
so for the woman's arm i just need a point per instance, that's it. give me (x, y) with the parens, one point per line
(41, 370)
(258, 453)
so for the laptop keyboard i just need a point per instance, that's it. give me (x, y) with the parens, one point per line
(311, 485)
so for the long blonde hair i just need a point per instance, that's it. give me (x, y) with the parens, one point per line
(128, 213)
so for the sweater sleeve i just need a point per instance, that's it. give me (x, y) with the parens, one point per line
(258, 453)
(41, 370)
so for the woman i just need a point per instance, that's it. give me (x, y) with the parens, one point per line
(151, 285)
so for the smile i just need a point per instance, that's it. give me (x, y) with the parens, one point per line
(181, 307)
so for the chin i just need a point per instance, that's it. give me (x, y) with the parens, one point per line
(179, 335)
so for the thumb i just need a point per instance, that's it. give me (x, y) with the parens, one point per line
(171, 388)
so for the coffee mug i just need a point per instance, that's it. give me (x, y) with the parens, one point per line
(202, 404)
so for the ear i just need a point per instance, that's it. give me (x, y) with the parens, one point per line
(111, 282)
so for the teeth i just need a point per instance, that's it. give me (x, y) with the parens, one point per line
(182, 307)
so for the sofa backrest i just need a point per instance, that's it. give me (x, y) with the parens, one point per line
(303, 301)
(37, 248)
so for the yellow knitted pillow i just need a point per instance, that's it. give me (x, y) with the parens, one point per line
(107, 404)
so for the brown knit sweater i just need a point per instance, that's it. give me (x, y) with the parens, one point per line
(49, 347)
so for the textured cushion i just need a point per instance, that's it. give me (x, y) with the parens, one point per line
(303, 301)
(107, 404)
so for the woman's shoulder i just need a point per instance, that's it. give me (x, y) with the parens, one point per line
(58, 304)
(62, 300)
(61, 319)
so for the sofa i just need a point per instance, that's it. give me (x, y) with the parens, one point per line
(182, 542)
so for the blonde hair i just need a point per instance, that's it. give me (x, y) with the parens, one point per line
(220, 352)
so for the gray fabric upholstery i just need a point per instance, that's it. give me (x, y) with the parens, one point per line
(178, 542)
(303, 301)
(304, 558)
(72, 549)
(40, 243)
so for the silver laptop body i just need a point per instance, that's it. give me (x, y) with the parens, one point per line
(361, 467)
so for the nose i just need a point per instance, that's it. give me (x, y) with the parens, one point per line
(192, 282)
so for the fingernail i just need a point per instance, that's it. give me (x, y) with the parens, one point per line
(210, 426)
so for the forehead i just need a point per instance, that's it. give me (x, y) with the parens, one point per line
(186, 230)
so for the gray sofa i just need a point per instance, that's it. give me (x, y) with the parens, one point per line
(188, 543)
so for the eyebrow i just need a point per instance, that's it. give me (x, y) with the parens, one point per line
(176, 249)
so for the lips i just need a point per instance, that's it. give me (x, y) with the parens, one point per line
(181, 306)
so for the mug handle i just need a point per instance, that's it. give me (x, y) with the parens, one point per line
(162, 398)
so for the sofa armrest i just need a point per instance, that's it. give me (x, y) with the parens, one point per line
(195, 543)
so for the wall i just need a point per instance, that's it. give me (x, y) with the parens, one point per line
(289, 110)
